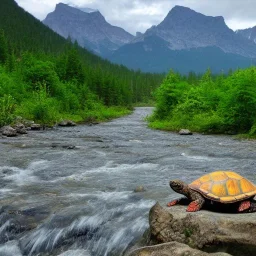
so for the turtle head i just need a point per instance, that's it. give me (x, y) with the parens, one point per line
(179, 186)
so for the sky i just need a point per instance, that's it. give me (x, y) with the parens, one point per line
(139, 15)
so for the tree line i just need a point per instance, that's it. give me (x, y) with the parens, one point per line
(46, 77)
(224, 103)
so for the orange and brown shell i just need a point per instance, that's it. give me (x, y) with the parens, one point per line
(224, 186)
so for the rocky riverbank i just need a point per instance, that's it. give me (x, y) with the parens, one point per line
(198, 233)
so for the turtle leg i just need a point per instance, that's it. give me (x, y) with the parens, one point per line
(197, 202)
(244, 205)
(174, 202)
(252, 207)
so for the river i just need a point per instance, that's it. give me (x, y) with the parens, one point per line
(70, 191)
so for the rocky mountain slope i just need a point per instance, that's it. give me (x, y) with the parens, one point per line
(186, 40)
(184, 28)
(249, 33)
(88, 27)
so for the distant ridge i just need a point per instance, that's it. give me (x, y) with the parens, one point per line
(88, 27)
(187, 41)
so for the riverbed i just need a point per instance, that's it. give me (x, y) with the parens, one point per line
(70, 191)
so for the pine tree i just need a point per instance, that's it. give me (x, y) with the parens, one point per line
(3, 48)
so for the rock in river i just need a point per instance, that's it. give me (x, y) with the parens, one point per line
(203, 230)
(185, 132)
(67, 123)
(8, 131)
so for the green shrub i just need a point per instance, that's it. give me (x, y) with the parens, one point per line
(7, 107)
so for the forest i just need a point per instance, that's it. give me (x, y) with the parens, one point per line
(46, 78)
(224, 103)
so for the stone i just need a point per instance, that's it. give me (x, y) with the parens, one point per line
(20, 128)
(139, 189)
(8, 131)
(234, 233)
(185, 132)
(172, 249)
(35, 127)
(67, 123)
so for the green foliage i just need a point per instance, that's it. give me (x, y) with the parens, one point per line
(40, 107)
(7, 107)
(50, 78)
(214, 104)
(3, 48)
(169, 94)
(41, 72)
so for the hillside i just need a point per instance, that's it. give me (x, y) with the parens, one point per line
(26, 33)
(45, 77)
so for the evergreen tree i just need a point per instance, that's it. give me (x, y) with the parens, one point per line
(3, 48)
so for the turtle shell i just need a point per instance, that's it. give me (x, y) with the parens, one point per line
(224, 186)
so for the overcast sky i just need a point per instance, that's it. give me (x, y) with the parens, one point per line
(139, 15)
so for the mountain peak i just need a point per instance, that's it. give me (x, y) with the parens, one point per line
(88, 27)
(61, 7)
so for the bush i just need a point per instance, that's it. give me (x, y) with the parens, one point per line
(40, 107)
(7, 107)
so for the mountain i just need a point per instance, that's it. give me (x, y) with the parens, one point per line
(88, 27)
(249, 33)
(154, 55)
(187, 40)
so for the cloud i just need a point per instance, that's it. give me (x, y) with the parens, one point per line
(139, 15)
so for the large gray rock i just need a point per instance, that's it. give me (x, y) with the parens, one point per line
(20, 128)
(67, 123)
(8, 131)
(172, 249)
(185, 132)
(204, 229)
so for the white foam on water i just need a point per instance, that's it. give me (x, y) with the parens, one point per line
(198, 158)
(77, 252)
(24, 176)
(10, 249)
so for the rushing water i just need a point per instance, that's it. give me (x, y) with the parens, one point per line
(69, 191)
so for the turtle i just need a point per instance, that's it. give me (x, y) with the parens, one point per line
(225, 187)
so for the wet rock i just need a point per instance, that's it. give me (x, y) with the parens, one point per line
(69, 146)
(172, 249)
(139, 189)
(20, 128)
(204, 229)
(67, 123)
(8, 131)
(35, 127)
(185, 132)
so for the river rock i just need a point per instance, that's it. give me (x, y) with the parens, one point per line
(20, 128)
(185, 132)
(139, 189)
(172, 249)
(204, 229)
(35, 127)
(67, 123)
(8, 131)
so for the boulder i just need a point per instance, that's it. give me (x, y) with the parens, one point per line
(20, 128)
(67, 123)
(8, 131)
(185, 132)
(35, 127)
(204, 230)
(172, 249)
(139, 189)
